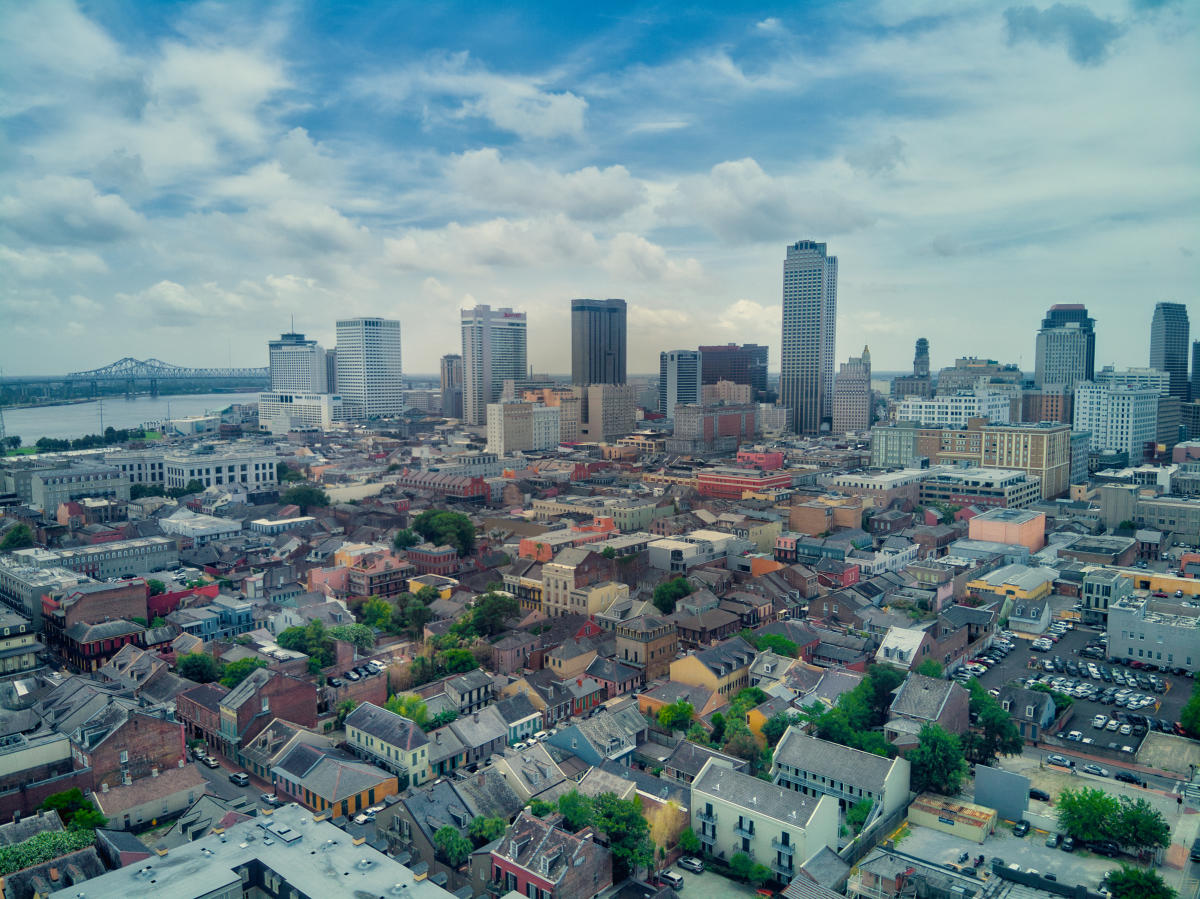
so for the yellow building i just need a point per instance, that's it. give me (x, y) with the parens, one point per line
(1162, 583)
(761, 533)
(1014, 582)
(444, 586)
(724, 669)
(670, 479)
(19, 645)
(390, 741)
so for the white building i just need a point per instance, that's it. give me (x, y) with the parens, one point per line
(547, 423)
(955, 410)
(1152, 378)
(282, 411)
(369, 376)
(139, 466)
(678, 380)
(199, 528)
(852, 395)
(1119, 419)
(493, 350)
(251, 466)
(809, 332)
(296, 364)
(521, 427)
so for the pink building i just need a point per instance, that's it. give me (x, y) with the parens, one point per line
(760, 459)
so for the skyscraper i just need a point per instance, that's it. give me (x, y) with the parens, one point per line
(1065, 351)
(852, 395)
(369, 375)
(493, 350)
(598, 342)
(809, 332)
(678, 379)
(921, 358)
(452, 386)
(918, 383)
(1195, 392)
(297, 364)
(1169, 345)
(745, 364)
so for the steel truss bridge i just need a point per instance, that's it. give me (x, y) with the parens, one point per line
(130, 371)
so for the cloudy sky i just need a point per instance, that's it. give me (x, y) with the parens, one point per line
(177, 180)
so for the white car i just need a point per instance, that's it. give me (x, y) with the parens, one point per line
(1099, 721)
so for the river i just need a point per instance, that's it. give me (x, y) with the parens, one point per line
(77, 419)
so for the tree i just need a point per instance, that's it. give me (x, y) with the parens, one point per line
(75, 809)
(441, 719)
(312, 640)
(456, 661)
(688, 841)
(1128, 882)
(930, 668)
(857, 814)
(305, 496)
(540, 808)
(996, 735)
(343, 711)
(13, 441)
(236, 672)
(138, 491)
(667, 593)
(17, 537)
(676, 716)
(286, 474)
(491, 611)
(576, 810)
(628, 832)
(718, 728)
(416, 616)
(608, 552)
(446, 528)
(1189, 717)
(697, 733)
(937, 762)
(376, 612)
(1127, 525)
(452, 846)
(1088, 814)
(778, 644)
(359, 635)
(199, 667)
(483, 830)
(1141, 826)
(777, 726)
(405, 539)
(741, 743)
(740, 864)
(410, 706)
(157, 587)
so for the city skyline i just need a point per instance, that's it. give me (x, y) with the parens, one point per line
(408, 167)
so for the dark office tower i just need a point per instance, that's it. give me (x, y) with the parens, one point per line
(745, 364)
(452, 386)
(921, 359)
(331, 370)
(1195, 371)
(809, 331)
(597, 342)
(1169, 345)
(1065, 351)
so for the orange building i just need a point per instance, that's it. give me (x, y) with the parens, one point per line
(1019, 527)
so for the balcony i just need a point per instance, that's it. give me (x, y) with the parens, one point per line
(703, 816)
(744, 831)
(786, 848)
(784, 870)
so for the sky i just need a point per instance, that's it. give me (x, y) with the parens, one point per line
(178, 180)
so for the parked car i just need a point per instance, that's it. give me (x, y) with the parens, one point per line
(1095, 769)
(210, 761)
(671, 879)
(1127, 777)
(1053, 840)
(350, 675)
(1060, 761)
(1105, 847)
(1021, 828)
(1041, 795)
(1068, 844)
(241, 778)
(690, 863)
(1099, 721)
(270, 799)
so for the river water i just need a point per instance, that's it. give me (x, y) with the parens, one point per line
(78, 419)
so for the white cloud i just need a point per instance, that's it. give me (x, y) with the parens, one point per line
(32, 263)
(498, 242)
(633, 258)
(59, 210)
(590, 193)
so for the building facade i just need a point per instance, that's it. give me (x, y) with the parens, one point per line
(955, 410)
(1169, 342)
(678, 380)
(745, 364)
(369, 371)
(598, 339)
(296, 365)
(1065, 350)
(452, 386)
(250, 466)
(1119, 419)
(852, 395)
(809, 331)
(493, 351)
(283, 411)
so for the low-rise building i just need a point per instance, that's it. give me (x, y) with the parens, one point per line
(390, 741)
(329, 780)
(540, 857)
(1162, 632)
(813, 767)
(723, 669)
(924, 700)
(1031, 710)
(19, 645)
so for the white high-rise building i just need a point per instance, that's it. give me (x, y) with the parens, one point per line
(852, 395)
(493, 350)
(1159, 381)
(1119, 418)
(282, 411)
(369, 376)
(678, 380)
(956, 410)
(297, 365)
(809, 334)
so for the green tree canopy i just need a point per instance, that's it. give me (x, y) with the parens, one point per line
(490, 612)
(199, 667)
(312, 640)
(777, 726)
(930, 668)
(405, 539)
(345, 707)
(688, 841)
(456, 661)
(441, 527)
(576, 810)
(628, 833)
(19, 536)
(483, 830)
(75, 809)
(676, 716)
(1128, 882)
(1141, 826)
(377, 612)
(305, 496)
(1088, 814)
(669, 592)
(358, 635)
(857, 814)
(995, 732)
(453, 846)
(236, 672)
(778, 644)
(937, 762)
(410, 706)
(1189, 717)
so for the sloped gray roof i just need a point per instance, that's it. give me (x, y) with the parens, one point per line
(387, 727)
(923, 697)
(852, 766)
(751, 792)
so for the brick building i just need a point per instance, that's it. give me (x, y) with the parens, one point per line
(88, 647)
(91, 604)
(134, 745)
(541, 854)
(647, 643)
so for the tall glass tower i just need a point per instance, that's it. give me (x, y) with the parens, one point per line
(493, 351)
(809, 333)
(598, 338)
(1065, 351)
(1169, 345)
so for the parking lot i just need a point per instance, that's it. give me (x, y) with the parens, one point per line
(1019, 663)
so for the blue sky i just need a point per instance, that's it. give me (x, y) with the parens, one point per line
(178, 179)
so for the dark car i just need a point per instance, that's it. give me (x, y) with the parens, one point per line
(1105, 847)
(1068, 844)
(1039, 794)
(1128, 778)
(1021, 828)
(241, 778)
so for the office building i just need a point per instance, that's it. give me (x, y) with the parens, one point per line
(51, 487)
(712, 429)
(369, 376)
(678, 380)
(852, 395)
(598, 338)
(1120, 419)
(1160, 632)
(104, 560)
(607, 411)
(331, 370)
(1065, 351)
(999, 487)
(452, 386)
(745, 364)
(296, 365)
(493, 351)
(1169, 345)
(726, 392)
(968, 372)
(569, 404)
(954, 410)
(1194, 392)
(250, 466)
(919, 383)
(809, 331)
(283, 411)
(1141, 378)
(521, 427)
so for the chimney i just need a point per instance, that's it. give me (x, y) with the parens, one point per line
(437, 736)
(154, 772)
(104, 787)
(475, 717)
(54, 874)
(579, 681)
